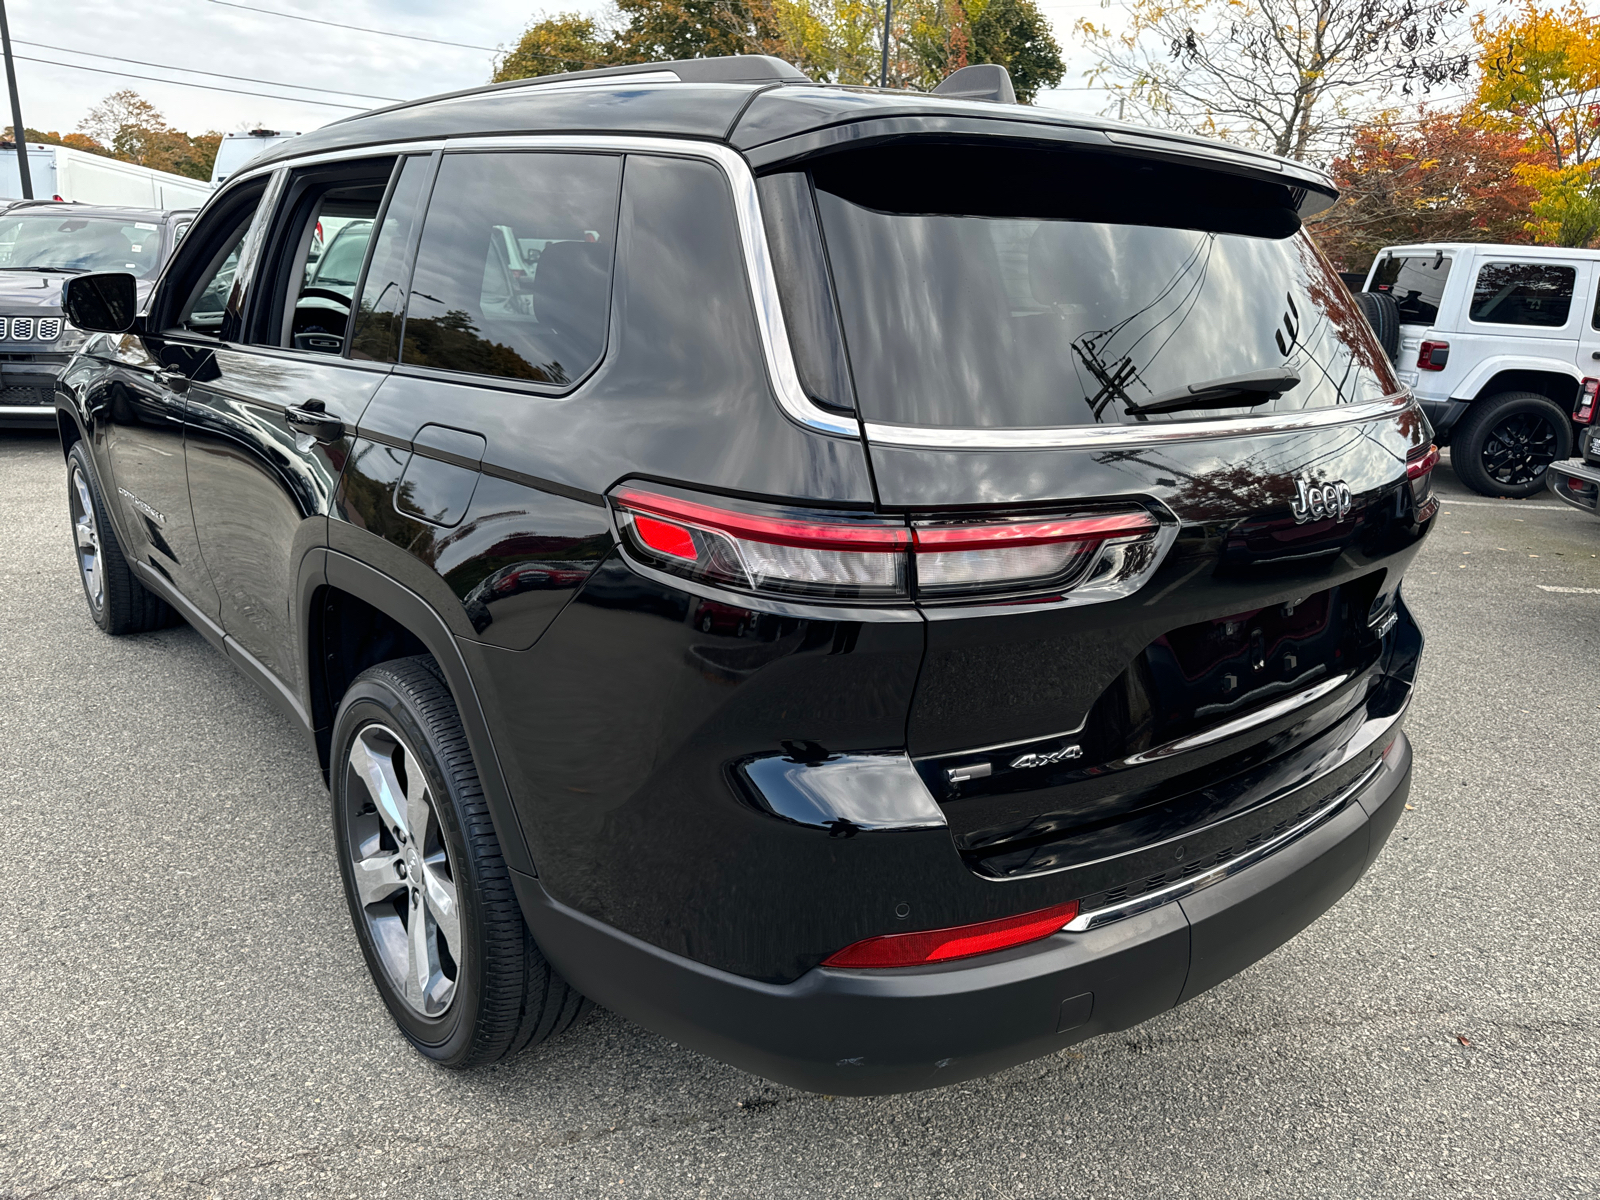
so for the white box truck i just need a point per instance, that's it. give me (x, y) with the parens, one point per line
(62, 173)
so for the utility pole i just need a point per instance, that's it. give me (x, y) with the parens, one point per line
(19, 132)
(883, 75)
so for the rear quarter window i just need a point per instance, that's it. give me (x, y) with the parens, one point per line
(1416, 282)
(1531, 294)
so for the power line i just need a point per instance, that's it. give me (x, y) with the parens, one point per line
(214, 74)
(181, 83)
(410, 37)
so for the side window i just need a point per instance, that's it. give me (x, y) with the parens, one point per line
(1536, 294)
(513, 274)
(203, 292)
(376, 334)
(320, 250)
(207, 308)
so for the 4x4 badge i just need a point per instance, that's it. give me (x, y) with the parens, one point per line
(1024, 761)
(1314, 502)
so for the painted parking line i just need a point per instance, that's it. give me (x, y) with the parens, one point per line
(1509, 506)
(1550, 587)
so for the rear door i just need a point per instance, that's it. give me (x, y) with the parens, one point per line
(1198, 382)
(267, 421)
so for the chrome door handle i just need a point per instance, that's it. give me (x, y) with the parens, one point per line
(311, 419)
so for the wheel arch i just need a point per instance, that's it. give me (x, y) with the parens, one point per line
(353, 617)
(1552, 378)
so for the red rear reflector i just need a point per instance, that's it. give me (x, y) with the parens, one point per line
(962, 941)
(668, 539)
(1587, 392)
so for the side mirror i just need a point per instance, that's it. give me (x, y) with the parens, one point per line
(103, 303)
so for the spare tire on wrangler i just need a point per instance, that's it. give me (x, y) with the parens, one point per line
(1384, 316)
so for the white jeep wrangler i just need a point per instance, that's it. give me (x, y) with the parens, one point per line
(1496, 341)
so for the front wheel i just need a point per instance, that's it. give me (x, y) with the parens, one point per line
(1504, 444)
(427, 885)
(118, 602)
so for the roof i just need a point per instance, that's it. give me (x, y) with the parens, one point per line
(1514, 249)
(770, 112)
(125, 212)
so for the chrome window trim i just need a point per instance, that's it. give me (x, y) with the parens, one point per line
(1108, 437)
(1187, 887)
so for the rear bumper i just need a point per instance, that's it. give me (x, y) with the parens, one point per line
(875, 1032)
(1577, 482)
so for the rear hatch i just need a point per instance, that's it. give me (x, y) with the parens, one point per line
(1038, 335)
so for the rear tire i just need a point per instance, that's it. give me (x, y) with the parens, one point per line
(1504, 443)
(1384, 316)
(118, 602)
(429, 891)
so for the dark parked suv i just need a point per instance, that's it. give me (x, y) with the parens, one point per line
(875, 586)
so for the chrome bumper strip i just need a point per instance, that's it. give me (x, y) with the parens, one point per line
(1187, 887)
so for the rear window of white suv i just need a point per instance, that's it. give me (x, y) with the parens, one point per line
(1536, 294)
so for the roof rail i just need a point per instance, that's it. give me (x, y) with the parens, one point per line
(732, 68)
(981, 81)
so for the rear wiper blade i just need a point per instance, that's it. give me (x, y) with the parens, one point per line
(1234, 391)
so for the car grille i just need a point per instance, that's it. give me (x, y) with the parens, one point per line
(14, 396)
(29, 329)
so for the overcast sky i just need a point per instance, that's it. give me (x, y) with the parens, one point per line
(241, 45)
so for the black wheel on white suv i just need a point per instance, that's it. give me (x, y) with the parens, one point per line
(1504, 444)
(118, 602)
(428, 888)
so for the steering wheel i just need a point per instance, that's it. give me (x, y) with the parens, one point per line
(320, 293)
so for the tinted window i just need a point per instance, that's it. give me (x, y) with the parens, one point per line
(1416, 283)
(208, 305)
(383, 300)
(1538, 294)
(1001, 321)
(514, 268)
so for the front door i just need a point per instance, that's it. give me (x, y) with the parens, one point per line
(267, 437)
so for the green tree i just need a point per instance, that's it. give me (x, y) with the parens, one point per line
(134, 130)
(565, 42)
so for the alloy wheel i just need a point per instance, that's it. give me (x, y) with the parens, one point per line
(86, 535)
(402, 871)
(1519, 448)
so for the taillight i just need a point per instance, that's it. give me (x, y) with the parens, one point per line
(833, 556)
(1587, 394)
(800, 554)
(1434, 356)
(961, 941)
(957, 559)
(1419, 473)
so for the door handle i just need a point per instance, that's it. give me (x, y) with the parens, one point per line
(311, 419)
(174, 381)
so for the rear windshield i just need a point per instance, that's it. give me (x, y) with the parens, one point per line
(1010, 319)
(1416, 282)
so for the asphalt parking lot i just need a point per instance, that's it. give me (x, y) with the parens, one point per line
(184, 1011)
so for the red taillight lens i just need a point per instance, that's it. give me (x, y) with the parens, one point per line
(1419, 471)
(946, 945)
(841, 557)
(808, 554)
(1434, 356)
(1587, 394)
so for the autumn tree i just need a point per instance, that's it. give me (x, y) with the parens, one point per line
(1539, 77)
(1442, 177)
(835, 41)
(1282, 75)
(134, 130)
(77, 141)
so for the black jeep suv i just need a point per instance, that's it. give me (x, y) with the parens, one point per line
(875, 586)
